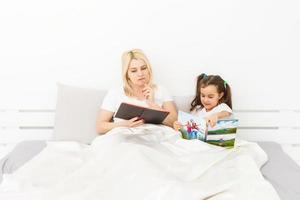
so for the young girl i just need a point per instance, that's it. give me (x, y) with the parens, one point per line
(212, 100)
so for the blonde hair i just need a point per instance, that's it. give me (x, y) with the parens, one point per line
(127, 57)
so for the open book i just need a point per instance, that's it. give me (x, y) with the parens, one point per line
(129, 111)
(222, 134)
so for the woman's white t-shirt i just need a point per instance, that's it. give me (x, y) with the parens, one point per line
(201, 112)
(115, 97)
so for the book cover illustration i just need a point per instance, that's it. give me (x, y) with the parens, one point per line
(222, 134)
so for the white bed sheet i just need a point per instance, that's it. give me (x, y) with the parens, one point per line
(10, 195)
(293, 150)
(73, 149)
(14, 196)
(11, 191)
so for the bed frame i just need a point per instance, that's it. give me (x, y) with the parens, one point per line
(281, 126)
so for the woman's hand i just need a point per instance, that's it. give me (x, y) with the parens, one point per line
(148, 93)
(134, 122)
(177, 125)
(212, 120)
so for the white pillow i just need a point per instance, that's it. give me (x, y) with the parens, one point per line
(76, 113)
(183, 103)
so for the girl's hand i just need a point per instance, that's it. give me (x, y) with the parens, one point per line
(177, 125)
(212, 120)
(134, 122)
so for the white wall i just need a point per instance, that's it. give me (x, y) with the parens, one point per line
(254, 45)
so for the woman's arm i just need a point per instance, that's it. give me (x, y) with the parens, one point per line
(104, 123)
(170, 107)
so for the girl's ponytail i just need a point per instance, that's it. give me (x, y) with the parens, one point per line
(227, 95)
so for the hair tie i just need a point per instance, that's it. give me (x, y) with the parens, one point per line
(225, 84)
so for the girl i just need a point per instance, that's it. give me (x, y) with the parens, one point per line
(212, 100)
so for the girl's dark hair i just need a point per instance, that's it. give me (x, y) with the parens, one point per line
(204, 80)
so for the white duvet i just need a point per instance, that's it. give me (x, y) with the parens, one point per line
(146, 163)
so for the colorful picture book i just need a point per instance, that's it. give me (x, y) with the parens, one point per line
(129, 111)
(222, 134)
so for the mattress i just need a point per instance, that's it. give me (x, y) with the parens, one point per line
(281, 170)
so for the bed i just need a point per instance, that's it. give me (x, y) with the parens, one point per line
(61, 137)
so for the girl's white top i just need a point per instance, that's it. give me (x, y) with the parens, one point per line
(201, 112)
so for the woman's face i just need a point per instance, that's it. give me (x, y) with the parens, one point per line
(210, 97)
(138, 72)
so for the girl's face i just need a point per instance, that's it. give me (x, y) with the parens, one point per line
(210, 97)
(138, 72)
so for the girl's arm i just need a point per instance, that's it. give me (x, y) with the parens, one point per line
(223, 114)
(212, 119)
(104, 123)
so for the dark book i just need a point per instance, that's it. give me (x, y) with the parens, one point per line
(129, 111)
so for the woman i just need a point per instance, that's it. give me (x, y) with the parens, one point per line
(138, 89)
